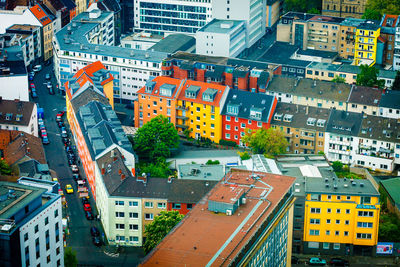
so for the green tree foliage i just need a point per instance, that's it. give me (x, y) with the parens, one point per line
(389, 228)
(314, 11)
(271, 142)
(396, 83)
(244, 155)
(5, 169)
(337, 166)
(70, 257)
(338, 79)
(159, 228)
(212, 162)
(303, 6)
(154, 140)
(383, 7)
(372, 14)
(159, 169)
(368, 76)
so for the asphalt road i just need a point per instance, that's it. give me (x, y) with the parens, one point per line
(79, 238)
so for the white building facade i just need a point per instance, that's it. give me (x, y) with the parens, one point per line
(396, 54)
(166, 16)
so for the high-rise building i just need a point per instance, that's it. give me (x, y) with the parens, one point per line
(31, 224)
(396, 52)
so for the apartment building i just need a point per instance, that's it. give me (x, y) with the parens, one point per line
(166, 16)
(31, 226)
(347, 41)
(274, 11)
(367, 34)
(344, 8)
(388, 31)
(309, 92)
(364, 100)
(245, 110)
(304, 127)
(235, 73)
(19, 115)
(396, 51)
(213, 223)
(389, 105)
(91, 38)
(81, 6)
(341, 216)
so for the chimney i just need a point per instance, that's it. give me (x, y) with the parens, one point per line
(123, 177)
(119, 171)
(307, 110)
(103, 171)
(28, 149)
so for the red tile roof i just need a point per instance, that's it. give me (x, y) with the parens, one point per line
(203, 87)
(203, 234)
(160, 80)
(40, 14)
(390, 17)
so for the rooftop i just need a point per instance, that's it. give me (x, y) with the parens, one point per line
(175, 42)
(205, 237)
(310, 88)
(340, 186)
(346, 123)
(392, 186)
(380, 128)
(222, 26)
(323, 66)
(390, 99)
(16, 112)
(251, 106)
(352, 22)
(326, 19)
(203, 87)
(369, 25)
(23, 27)
(153, 87)
(201, 172)
(39, 12)
(280, 53)
(365, 95)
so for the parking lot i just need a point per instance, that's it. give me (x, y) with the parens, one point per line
(79, 237)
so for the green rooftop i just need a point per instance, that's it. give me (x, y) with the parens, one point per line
(392, 186)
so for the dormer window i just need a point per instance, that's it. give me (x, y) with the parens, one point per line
(209, 94)
(311, 121)
(192, 91)
(232, 109)
(9, 116)
(256, 113)
(18, 117)
(288, 118)
(150, 86)
(321, 123)
(167, 89)
(278, 117)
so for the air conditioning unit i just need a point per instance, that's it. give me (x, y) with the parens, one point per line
(6, 227)
(244, 200)
(229, 212)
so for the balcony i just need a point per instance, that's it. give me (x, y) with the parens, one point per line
(318, 33)
(182, 108)
(182, 117)
(182, 126)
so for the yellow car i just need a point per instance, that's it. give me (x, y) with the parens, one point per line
(69, 189)
(55, 179)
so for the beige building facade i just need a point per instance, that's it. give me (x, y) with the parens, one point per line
(344, 8)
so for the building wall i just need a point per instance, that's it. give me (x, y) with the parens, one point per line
(152, 207)
(347, 41)
(51, 248)
(323, 36)
(19, 83)
(344, 8)
(389, 113)
(343, 216)
(81, 6)
(182, 208)
(273, 13)
(366, 45)
(396, 52)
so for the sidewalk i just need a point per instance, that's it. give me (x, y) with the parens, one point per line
(354, 260)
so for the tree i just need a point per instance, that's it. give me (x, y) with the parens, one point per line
(271, 142)
(159, 228)
(303, 6)
(396, 83)
(212, 162)
(244, 155)
(337, 166)
(159, 170)
(368, 76)
(70, 257)
(314, 11)
(384, 7)
(5, 169)
(372, 14)
(338, 79)
(155, 139)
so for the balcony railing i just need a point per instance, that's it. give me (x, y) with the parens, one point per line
(182, 108)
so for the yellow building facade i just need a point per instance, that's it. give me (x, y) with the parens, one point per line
(366, 44)
(342, 220)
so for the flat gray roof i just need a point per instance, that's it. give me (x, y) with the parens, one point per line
(357, 187)
(221, 26)
(201, 172)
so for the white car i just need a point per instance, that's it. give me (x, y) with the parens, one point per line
(40, 121)
(37, 68)
(47, 76)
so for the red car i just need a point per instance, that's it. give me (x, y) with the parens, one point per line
(43, 133)
(32, 85)
(87, 207)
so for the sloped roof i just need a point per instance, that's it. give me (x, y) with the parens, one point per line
(390, 99)
(346, 123)
(365, 95)
(40, 14)
(19, 112)
(202, 88)
(392, 186)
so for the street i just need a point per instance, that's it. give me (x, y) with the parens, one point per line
(79, 238)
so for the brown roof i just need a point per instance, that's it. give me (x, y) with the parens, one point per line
(87, 96)
(15, 107)
(24, 145)
(365, 95)
(203, 234)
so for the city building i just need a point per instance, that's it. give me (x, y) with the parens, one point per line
(91, 38)
(303, 126)
(30, 39)
(344, 8)
(175, 42)
(65, 10)
(396, 51)
(204, 172)
(81, 6)
(274, 11)
(388, 31)
(222, 229)
(366, 44)
(112, 6)
(245, 110)
(19, 115)
(364, 99)
(225, 157)
(31, 226)
(140, 40)
(166, 16)
(347, 41)
(127, 16)
(389, 106)
(226, 38)
(391, 188)
(341, 216)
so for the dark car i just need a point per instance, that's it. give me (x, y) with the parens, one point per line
(96, 241)
(85, 201)
(60, 124)
(51, 91)
(338, 262)
(68, 149)
(71, 162)
(89, 215)
(34, 94)
(75, 176)
(94, 231)
(295, 260)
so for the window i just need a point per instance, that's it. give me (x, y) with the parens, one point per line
(328, 221)
(328, 210)
(337, 221)
(228, 118)
(148, 216)
(133, 215)
(346, 222)
(315, 210)
(119, 203)
(133, 203)
(347, 211)
(327, 232)
(338, 211)
(337, 233)
(119, 226)
(148, 204)
(338, 197)
(26, 236)
(189, 206)
(366, 213)
(48, 259)
(336, 246)
(365, 200)
(314, 221)
(227, 126)
(36, 228)
(348, 198)
(133, 227)
(329, 197)
(325, 245)
(176, 206)
(314, 232)
(161, 205)
(364, 224)
(56, 213)
(119, 214)
(313, 244)
(133, 239)
(364, 236)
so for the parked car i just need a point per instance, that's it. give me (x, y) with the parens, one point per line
(69, 189)
(60, 124)
(60, 113)
(295, 260)
(87, 207)
(31, 85)
(45, 140)
(33, 93)
(74, 169)
(68, 149)
(96, 241)
(43, 133)
(338, 262)
(37, 68)
(85, 200)
(42, 127)
(49, 85)
(71, 162)
(94, 231)
(40, 121)
(76, 177)
(51, 91)
(317, 262)
(64, 135)
(47, 76)
(32, 73)
(89, 215)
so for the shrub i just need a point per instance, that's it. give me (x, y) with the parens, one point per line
(212, 162)
(227, 143)
(244, 155)
(337, 166)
